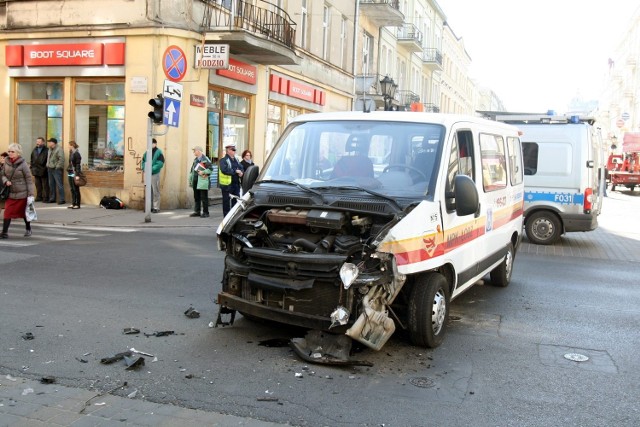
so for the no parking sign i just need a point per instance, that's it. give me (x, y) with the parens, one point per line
(174, 63)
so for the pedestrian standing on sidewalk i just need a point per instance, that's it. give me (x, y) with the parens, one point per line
(200, 182)
(55, 165)
(17, 176)
(39, 169)
(231, 172)
(3, 157)
(74, 168)
(157, 162)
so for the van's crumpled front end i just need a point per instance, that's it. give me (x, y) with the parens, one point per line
(315, 268)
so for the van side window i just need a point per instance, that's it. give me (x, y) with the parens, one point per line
(530, 157)
(494, 166)
(514, 151)
(460, 162)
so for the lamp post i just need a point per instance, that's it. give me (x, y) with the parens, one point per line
(388, 88)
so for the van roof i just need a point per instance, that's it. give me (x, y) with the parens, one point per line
(401, 116)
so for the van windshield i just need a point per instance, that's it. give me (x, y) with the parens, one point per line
(397, 159)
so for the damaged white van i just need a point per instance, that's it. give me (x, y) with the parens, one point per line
(361, 223)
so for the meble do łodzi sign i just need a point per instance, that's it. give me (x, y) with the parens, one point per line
(215, 56)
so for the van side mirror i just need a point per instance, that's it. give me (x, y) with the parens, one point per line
(466, 194)
(249, 178)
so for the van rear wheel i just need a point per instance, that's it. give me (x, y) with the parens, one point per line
(543, 228)
(501, 275)
(428, 310)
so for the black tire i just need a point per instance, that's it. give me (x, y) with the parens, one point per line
(428, 310)
(632, 187)
(543, 228)
(501, 275)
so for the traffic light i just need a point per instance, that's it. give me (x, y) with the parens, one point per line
(157, 114)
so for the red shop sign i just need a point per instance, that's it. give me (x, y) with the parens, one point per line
(239, 71)
(69, 54)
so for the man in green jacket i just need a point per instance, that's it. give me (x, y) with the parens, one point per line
(55, 165)
(157, 162)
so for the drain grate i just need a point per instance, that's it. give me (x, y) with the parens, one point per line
(422, 382)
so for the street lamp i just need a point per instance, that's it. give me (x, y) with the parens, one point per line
(388, 88)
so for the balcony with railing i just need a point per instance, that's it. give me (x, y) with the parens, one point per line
(409, 37)
(432, 59)
(265, 35)
(431, 108)
(406, 98)
(382, 13)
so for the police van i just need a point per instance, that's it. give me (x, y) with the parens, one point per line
(564, 173)
(362, 222)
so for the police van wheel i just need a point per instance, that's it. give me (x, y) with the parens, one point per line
(428, 310)
(543, 228)
(501, 275)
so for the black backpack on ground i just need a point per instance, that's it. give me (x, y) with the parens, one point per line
(111, 202)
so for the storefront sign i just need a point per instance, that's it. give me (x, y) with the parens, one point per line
(197, 100)
(214, 56)
(68, 54)
(239, 71)
(296, 89)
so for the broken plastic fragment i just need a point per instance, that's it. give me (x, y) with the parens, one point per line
(132, 394)
(160, 334)
(140, 352)
(131, 331)
(298, 375)
(334, 349)
(27, 391)
(28, 336)
(133, 363)
(348, 274)
(48, 379)
(115, 357)
(340, 316)
(192, 313)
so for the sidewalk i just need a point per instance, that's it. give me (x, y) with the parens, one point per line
(25, 402)
(92, 215)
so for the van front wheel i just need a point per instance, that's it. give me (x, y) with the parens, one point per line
(543, 228)
(501, 275)
(428, 310)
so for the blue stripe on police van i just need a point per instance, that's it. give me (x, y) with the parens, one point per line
(562, 198)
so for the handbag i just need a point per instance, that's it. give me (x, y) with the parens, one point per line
(6, 190)
(80, 180)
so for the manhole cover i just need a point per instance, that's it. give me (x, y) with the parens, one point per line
(576, 357)
(422, 382)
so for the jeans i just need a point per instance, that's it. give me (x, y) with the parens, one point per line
(42, 186)
(155, 191)
(56, 183)
(75, 192)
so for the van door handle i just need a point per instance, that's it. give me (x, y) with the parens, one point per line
(590, 164)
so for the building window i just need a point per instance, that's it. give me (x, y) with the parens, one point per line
(367, 53)
(303, 25)
(99, 124)
(227, 121)
(40, 111)
(326, 17)
(343, 42)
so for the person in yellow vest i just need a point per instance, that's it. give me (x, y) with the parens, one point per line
(230, 172)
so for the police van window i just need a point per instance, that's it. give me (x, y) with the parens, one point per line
(530, 157)
(492, 154)
(514, 151)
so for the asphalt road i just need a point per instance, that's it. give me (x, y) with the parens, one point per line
(502, 363)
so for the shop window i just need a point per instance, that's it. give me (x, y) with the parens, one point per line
(40, 111)
(227, 122)
(274, 127)
(99, 124)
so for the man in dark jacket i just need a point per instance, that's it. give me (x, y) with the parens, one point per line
(230, 172)
(39, 169)
(55, 164)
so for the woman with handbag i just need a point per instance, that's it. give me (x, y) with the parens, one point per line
(16, 174)
(74, 169)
